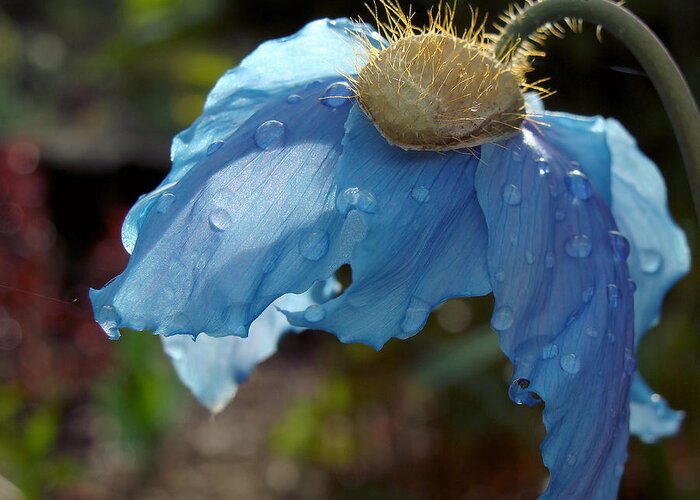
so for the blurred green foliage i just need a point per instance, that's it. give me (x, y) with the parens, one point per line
(141, 396)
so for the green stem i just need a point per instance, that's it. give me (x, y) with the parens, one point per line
(647, 48)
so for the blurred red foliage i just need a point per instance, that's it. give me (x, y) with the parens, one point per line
(49, 343)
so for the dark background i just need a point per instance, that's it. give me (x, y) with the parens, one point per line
(90, 96)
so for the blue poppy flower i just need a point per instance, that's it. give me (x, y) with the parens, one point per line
(283, 179)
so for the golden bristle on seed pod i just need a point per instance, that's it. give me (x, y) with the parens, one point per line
(430, 89)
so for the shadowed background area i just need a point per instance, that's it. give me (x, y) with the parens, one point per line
(90, 95)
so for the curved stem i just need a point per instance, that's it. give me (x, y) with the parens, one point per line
(647, 48)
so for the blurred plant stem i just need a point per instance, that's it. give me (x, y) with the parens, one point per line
(663, 71)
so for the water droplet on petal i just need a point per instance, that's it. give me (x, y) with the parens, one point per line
(570, 459)
(270, 134)
(587, 294)
(549, 260)
(314, 245)
(356, 198)
(519, 394)
(650, 261)
(542, 166)
(338, 94)
(529, 257)
(219, 219)
(500, 276)
(579, 185)
(511, 195)
(591, 332)
(502, 318)
(294, 98)
(560, 214)
(513, 239)
(550, 351)
(416, 314)
(214, 147)
(578, 246)
(107, 318)
(570, 364)
(421, 194)
(613, 296)
(314, 313)
(620, 246)
(164, 202)
(631, 285)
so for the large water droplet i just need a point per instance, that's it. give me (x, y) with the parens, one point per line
(107, 318)
(502, 318)
(294, 98)
(164, 202)
(519, 394)
(421, 194)
(219, 219)
(214, 147)
(511, 195)
(650, 261)
(338, 94)
(356, 198)
(579, 185)
(570, 364)
(314, 313)
(500, 276)
(620, 246)
(416, 314)
(550, 351)
(578, 246)
(270, 134)
(314, 245)
(613, 296)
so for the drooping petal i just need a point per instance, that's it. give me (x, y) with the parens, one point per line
(248, 224)
(321, 50)
(426, 237)
(659, 253)
(213, 367)
(564, 309)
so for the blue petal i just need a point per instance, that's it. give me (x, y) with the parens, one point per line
(213, 367)
(321, 50)
(564, 309)
(650, 415)
(246, 225)
(659, 253)
(426, 237)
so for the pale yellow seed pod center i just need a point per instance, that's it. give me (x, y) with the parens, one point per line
(435, 91)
